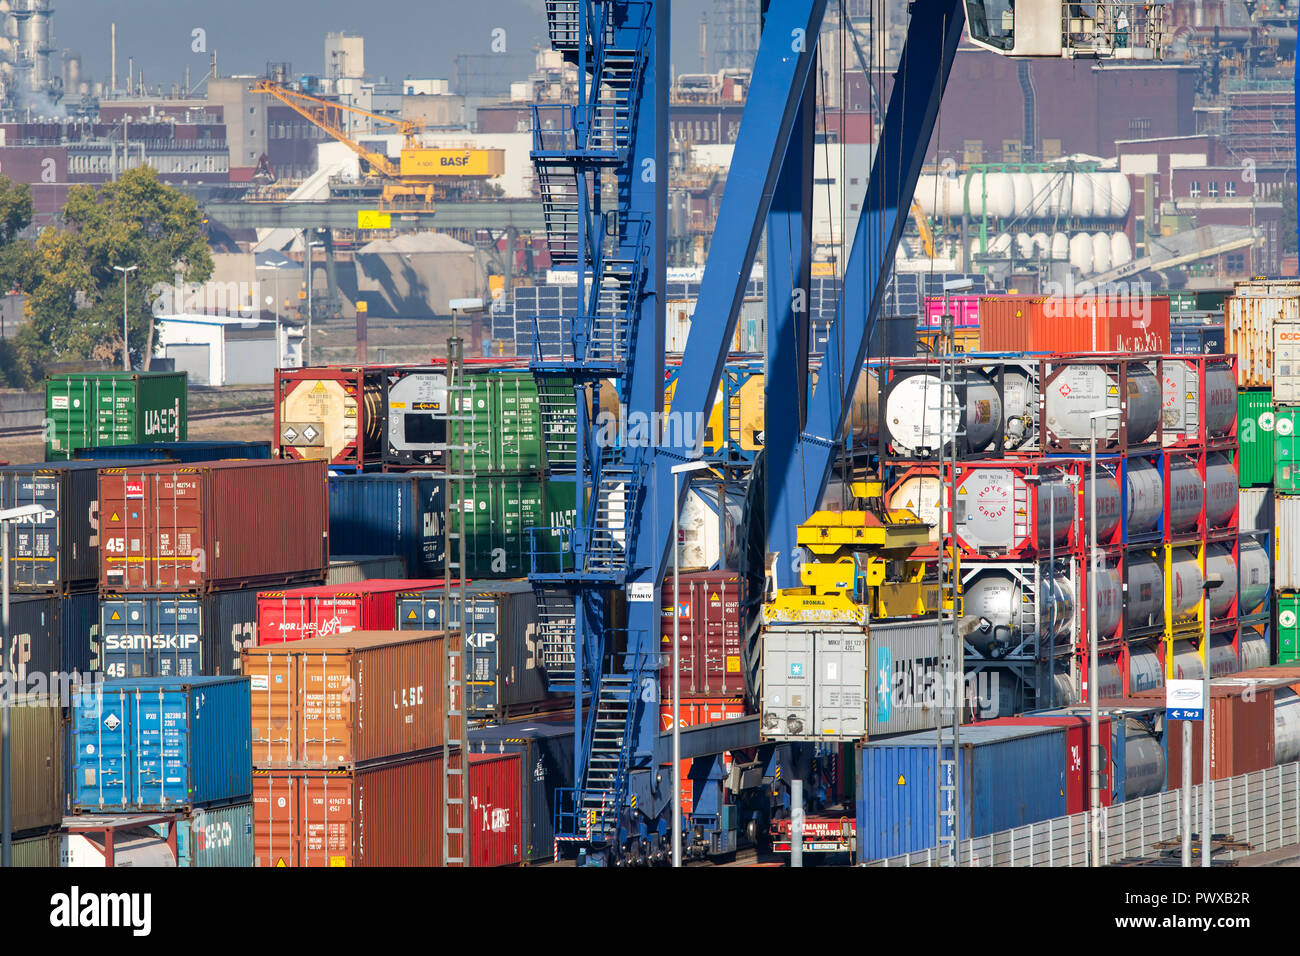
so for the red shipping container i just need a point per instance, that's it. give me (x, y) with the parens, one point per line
(694, 713)
(708, 608)
(1078, 765)
(388, 815)
(333, 609)
(496, 810)
(330, 413)
(213, 526)
(1241, 730)
(1064, 324)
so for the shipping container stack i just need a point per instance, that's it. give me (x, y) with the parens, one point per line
(1263, 329)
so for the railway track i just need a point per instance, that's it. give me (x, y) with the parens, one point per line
(207, 414)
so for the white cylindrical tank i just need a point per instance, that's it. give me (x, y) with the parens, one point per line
(1079, 390)
(1080, 187)
(1042, 203)
(994, 603)
(1100, 195)
(1019, 408)
(1223, 659)
(1146, 496)
(1144, 671)
(1024, 245)
(1286, 726)
(1121, 252)
(1121, 195)
(1022, 188)
(1220, 562)
(985, 513)
(1110, 683)
(1081, 252)
(1186, 496)
(1222, 494)
(1066, 696)
(1001, 245)
(1187, 666)
(1254, 576)
(1187, 583)
(1100, 252)
(1145, 599)
(1109, 505)
(710, 527)
(1110, 600)
(912, 413)
(918, 492)
(1183, 401)
(1060, 246)
(1042, 243)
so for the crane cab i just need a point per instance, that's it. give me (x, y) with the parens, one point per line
(1123, 30)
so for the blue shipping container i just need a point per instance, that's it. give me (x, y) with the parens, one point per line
(219, 837)
(1196, 339)
(162, 744)
(48, 635)
(184, 452)
(176, 635)
(547, 754)
(506, 675)
(1009, 776)
(388, 514)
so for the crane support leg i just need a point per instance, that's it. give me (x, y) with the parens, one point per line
(933, 34)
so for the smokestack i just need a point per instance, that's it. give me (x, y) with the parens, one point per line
(113, 35)
(704, 43)
(130, 74)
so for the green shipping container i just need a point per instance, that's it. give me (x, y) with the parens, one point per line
(1286, 450)
(499, 513)
(41, 851)
(1288, 627)
(1182, 301)
(92, 409)
(1255, 437)
(506, 423)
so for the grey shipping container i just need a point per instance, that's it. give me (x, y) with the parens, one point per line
(903, 666)
(1255, 508)
(58, 550)
(176, 635)
(1286, 542)
(814, 682)
(219, 837)
(505, 674)
(36, 735)
(546, 748)
(48, 634)
(401, 514)
(353, 568)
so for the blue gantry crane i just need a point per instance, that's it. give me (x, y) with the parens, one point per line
(602, 172)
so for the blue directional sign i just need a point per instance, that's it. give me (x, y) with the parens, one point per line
(1184, 700)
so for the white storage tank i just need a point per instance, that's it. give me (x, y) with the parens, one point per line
(1100, 252)
(913, 417)
(710, 526)
(1101, 199)
(1146, 496)
(1110, 683)
(1080, 186)
(1042, 243)
(1183, 401)
(1222, 493)
(1144, 671)
(1188, 581)
(1046, 196)
(1254, 580)
(1024, 245)
(1121, 251)
(994, 602)
(986, 515)
(917, 492)
(1109, 504)
(1081, 252)
(1286, 726)
(1254, 650)
(1110, 600)
(1145, 600)
(1186, 495)
(1220, 563)
(1022, 188)
(1060, 246)
(1079, 390)
(1121, 195)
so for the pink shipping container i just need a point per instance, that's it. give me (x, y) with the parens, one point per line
(965, 311)
(496, 810)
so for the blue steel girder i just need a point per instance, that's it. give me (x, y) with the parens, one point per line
(933, 34)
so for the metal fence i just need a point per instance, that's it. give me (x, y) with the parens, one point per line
(1261, 809)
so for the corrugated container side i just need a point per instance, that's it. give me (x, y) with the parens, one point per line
(1286, 542)
(1008, 777)
(176, 635)
(352, 569)
(393, 514)
(220, 837)
(1241, 734)
(1249, 316)
(900, 659)
(1286, 450)
(388, 815)
(82, 650)
(180, 451)
(34, 644)
(1255, 508)
(546, 749)
(38, 851)
(108, 408)
(36, 739)
(1065, 324)
(1288, 627)
(1255, 432)
(707, 610)
(57, 550)
(244, 546)
(496, 811)
(1286, 363)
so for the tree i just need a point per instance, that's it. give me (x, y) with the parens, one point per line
(1289, 242)
(136, 221)
(19, 365)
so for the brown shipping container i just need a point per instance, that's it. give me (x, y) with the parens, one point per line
(1249, 315)
(1241, 736)
(1287, 674)
(213, 526)
(36, 736)
(385, 815)
(357, 698)
(1025, 323)
(708, 612)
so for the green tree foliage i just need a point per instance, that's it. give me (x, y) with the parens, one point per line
(76, 309)
(17, 273)
(1288, 220)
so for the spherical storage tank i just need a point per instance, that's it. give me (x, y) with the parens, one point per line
(994, 602)
(913, 418)
(1076, 391)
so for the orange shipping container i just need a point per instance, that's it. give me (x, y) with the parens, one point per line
(1241, 730)
(1063, 325)
(386, 815)
(342, 701)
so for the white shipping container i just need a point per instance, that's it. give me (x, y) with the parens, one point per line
(1286, 363)
(1286, 542)
(751, 326)
(814, 682)
(709, 527)
(1255, 508)
(1249, 316)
